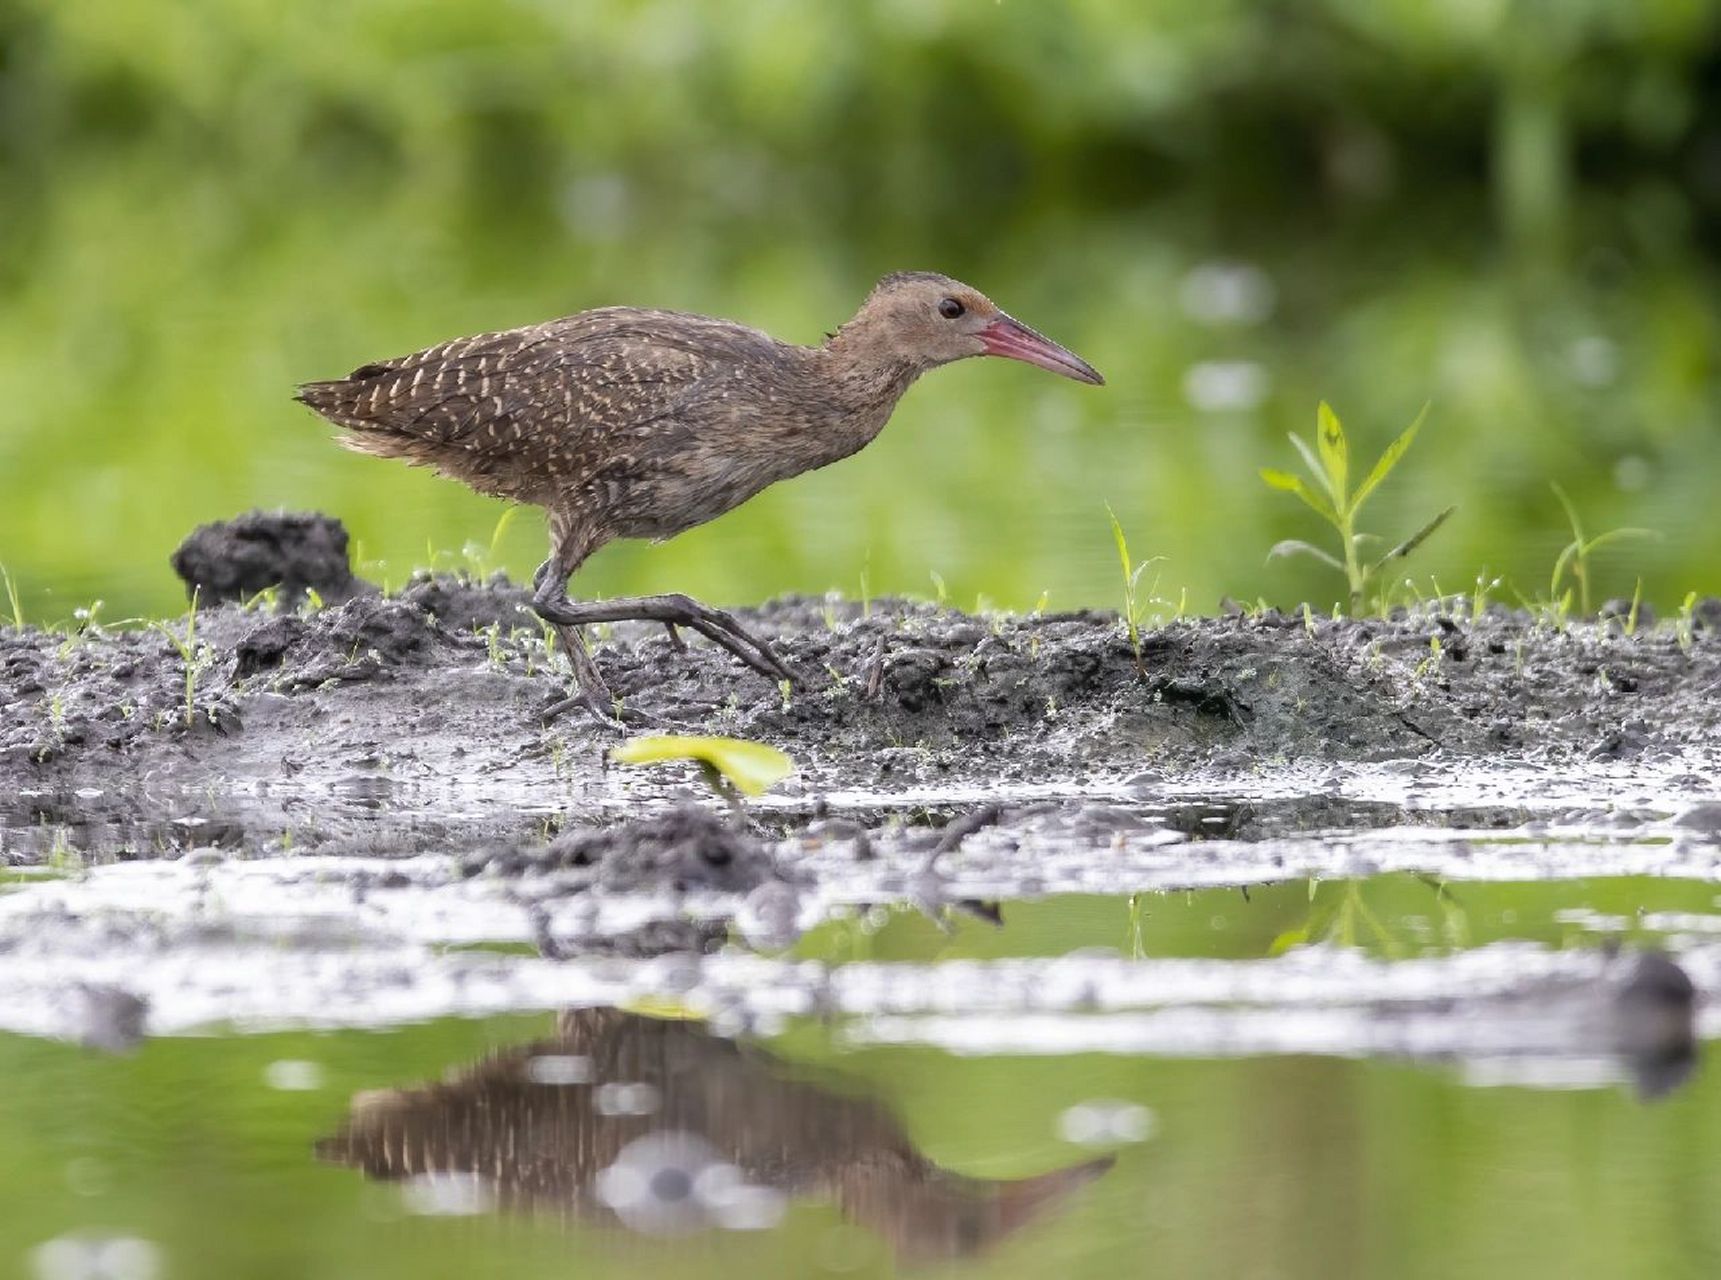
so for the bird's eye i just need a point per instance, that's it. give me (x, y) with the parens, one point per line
(950, 308)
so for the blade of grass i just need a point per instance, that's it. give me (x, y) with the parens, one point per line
(1388, 459)
(12, 598)
(1416, 539)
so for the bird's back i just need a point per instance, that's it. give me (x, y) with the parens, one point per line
(530, 413)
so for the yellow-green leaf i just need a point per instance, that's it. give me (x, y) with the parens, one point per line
(752, 767)
(1295, 484)
(1335, 452)
(1387, 461)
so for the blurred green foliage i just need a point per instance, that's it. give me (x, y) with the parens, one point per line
(1233, 208)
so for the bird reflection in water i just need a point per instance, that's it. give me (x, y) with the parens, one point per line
(617, 1102)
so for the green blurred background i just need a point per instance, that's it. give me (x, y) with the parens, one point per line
(1233, 208)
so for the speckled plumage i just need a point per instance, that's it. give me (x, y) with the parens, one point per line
(621, 422)
(631, 423)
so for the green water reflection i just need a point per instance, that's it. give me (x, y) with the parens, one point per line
(1390, 916)
(292, 1154)
(1278, 1167)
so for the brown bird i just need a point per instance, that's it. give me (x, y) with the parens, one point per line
(629, 423)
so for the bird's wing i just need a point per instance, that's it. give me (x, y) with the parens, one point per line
(501, 391)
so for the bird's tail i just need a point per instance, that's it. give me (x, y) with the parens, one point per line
(345, 402)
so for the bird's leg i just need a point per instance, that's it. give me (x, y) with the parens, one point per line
(549, 593)
(593, 694)
(674, 610)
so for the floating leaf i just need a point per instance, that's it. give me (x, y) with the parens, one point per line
(752, 767)
(1335, 453)
(1297, 547)
(1387, 461)
(1295, 484)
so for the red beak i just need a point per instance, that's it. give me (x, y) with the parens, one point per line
(1007, 336)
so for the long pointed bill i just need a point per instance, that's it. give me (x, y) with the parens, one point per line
(1007, 336)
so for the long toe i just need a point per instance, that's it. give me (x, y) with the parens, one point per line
(581, 702)
(748, 648)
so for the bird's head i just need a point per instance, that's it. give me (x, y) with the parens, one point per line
(924, 319)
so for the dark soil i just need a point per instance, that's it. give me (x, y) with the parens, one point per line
(294, 553)
(425, 705)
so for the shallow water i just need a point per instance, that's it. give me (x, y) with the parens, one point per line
(1396, 1074)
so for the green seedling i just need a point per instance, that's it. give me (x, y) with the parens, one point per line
(12, 598)
(1338, 504)
(482, 560)
(1574, 558)
(193, 657)
(1135, 601)
(1685, 625)
(732, 767)
(1479, 597)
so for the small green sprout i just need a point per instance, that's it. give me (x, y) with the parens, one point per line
(1337, 504)
(12, 598)
(1135, 601)
(729, 764)
(1574, 558)
(1479, 597)
(1685, 625)
(481, 560)
(192, 656)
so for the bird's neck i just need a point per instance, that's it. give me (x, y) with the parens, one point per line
(863, 371)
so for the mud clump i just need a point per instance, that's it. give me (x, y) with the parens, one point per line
(357, 641)
(295, 552)
(685, 849)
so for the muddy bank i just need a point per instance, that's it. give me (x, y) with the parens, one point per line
(445, 681)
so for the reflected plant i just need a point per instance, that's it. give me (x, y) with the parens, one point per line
(1574, 557)
(1339, 923)
(1345, 919)
(1338, 504)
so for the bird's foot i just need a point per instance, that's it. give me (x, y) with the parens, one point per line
(674, 610)
(607, 713)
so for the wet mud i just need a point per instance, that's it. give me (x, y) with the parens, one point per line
(441, 686)
(350, 808)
